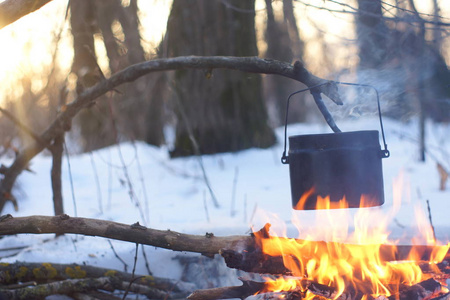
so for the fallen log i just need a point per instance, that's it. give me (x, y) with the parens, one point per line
(12, 273)
(70, 286)
(60, 287)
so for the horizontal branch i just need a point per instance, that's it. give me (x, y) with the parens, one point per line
(44, 272)
(207, 244)
(68, 286)
(245, 64)
(82, 285)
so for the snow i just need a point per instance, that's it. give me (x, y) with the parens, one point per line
(138, 182)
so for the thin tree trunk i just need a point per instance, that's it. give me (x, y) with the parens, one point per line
(57, 152)
(282, 37)
(82, 22)
(419, 69)
(372, 34)
(294, 34)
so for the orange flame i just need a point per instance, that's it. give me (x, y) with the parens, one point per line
(369, 264)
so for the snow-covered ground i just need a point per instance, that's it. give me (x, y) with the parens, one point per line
(137, 182)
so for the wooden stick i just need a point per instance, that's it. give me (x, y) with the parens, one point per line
(207, 244)
(248, 288)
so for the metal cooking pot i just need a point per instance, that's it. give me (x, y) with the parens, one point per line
(341, 165)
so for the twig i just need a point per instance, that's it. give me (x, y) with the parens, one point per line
(141, 179)
(245, 208)
(205, 205)
(233, 192)
(197, 151)
(21, 125)
(132, 273)
(13, 248)
(97, 182)
(21, 285)
(431, 221)
(72, 188)
(147, 266)
(133, 197)
(125, 266)
(110, 177)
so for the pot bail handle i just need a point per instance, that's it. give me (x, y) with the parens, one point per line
(318, 99)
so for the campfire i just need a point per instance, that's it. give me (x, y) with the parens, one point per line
(364, 264)
(335, 270)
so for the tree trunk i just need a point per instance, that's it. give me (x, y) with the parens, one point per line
(82, 21)
(372, 34)
(283, 43)
(224, 110)
(119, 27)
(93, 122)
(57, 149)
(296, 42)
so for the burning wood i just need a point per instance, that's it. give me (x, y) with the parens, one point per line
(429, 289)
(347, 274)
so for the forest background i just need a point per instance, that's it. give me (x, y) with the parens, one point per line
(400, 47)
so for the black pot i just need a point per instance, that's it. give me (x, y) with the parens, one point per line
(340, 165)
(336, 165)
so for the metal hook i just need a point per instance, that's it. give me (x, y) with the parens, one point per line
(384, 153)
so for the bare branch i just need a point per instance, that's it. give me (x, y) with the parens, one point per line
(205, 244)
(12, 10)
(21, 125)
(245, 64)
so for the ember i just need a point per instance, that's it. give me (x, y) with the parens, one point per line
(364, 266)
